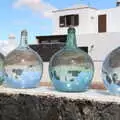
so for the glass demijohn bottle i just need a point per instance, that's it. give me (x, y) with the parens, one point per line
(23, 66)
(71, 69)
(1, 68)
(111, 72)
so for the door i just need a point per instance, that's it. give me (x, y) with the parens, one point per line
(102, 23)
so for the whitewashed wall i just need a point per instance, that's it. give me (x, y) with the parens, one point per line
(45, 77)
(103, 44)
(88, 20)
(87, 35)
(87, 17)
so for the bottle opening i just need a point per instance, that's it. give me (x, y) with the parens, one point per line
(23, 41)
(71, 29)
(24, 33)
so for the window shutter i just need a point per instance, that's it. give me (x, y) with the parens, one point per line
(62, 21)
(76, 20)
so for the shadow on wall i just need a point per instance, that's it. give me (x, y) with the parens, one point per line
(47, 50)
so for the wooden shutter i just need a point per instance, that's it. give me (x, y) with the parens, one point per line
(69, 20)
(102, 23)
(76, 20)
(62, 21)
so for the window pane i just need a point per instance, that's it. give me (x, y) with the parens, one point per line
(68, 20)
(72, 20)
(62, 21)
(76, 20)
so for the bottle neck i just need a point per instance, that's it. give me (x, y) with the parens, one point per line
(71, 39)
(23, 41)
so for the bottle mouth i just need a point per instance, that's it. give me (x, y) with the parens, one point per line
(24, 33)
(71, 29)
(23, 41)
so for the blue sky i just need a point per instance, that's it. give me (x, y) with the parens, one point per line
(16, 15)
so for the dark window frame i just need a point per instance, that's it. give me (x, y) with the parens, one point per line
(62, 21)
(67, 20)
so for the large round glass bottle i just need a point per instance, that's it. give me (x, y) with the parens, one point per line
(111, 72)
(1, 68)
(71, 69)
(23, 66)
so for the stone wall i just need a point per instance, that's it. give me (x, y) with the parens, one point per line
(47, 104)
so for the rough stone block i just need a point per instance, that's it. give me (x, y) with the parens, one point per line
(47, 104)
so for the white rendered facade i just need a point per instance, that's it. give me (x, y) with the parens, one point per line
(99, 43)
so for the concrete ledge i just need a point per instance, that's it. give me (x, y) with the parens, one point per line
(94, 85)
(45, 103)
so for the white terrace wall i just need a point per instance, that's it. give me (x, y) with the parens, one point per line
(87, 20)
(99, 44)
(102, 43)
(113, 18)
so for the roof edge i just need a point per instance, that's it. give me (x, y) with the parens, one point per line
(73, 9)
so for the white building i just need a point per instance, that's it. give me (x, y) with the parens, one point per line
(98, 30)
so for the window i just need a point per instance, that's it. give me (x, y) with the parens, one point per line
(62, 21)
(76, 20)
(68, 20)
(118, 4)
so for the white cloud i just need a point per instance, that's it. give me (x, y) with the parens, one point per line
(7, 45)
(39, 6)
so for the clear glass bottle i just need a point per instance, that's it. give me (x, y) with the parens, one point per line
(23, 66)
(111, 72)
(1, 68)
(71, 69)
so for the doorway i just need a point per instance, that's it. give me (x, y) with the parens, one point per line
(102, 22)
